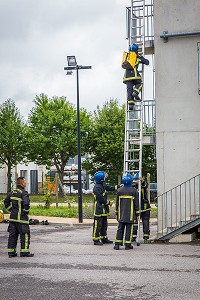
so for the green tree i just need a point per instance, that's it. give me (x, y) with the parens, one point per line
(106, 140)
(12, 128)
(52, 132)
(149, 164)
(106, 144)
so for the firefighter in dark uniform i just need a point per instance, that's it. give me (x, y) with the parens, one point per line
(127, 206)
(101, 209)
(133, 79)
(18, 203)
(145, 209)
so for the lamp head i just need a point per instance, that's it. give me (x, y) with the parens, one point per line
(71, 59)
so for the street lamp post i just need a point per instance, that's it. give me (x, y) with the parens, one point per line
(72, 65)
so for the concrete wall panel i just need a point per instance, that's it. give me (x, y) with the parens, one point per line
(176, 92)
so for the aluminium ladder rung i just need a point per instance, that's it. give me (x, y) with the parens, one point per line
(132, 160)
(131, 120)
(136, 142)
(135, 109)
(137, 8)
(138, 36)
(132, 139)
(133, 171)
(131, 130)
(139, 42)
(137, 27)
(132, 150)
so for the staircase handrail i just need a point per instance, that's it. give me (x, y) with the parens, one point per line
(198, 175)
(149, 117)
(179, 205)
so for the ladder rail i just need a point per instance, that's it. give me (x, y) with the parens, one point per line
(141, 126)
(137, 22)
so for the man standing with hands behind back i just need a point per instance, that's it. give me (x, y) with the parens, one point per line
(18, 203)
(127, 206)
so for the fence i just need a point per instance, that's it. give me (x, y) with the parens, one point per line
(179, 206)
(149, 117)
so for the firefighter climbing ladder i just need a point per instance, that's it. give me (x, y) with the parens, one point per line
(136, 21)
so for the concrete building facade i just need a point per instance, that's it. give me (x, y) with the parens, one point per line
(176, 90)
(177, 98)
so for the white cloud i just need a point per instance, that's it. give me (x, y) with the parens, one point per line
(37, 35)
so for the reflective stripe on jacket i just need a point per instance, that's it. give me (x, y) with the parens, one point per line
(127, 203)
(18, 203)
(145, 209)
(134, 74)
(101, 202)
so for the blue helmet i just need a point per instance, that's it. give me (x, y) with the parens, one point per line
(99, 176)
(136, 176)
(133, 48)
(127, 180)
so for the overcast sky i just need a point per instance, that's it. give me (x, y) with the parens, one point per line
(37, 35)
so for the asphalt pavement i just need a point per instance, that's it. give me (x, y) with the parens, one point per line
(67, 265)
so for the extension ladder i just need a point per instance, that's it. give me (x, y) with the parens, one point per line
(134, 119)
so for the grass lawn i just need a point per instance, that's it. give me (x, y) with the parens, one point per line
(72, 212)
(67, 199)
(70, 209)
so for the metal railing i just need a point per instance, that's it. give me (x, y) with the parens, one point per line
(135, 21)
(178, 206)
(149, 117)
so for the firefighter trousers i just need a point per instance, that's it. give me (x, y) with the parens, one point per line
(16, 229)
(146, 230)
(135, 230)
(133, 85)
(100, 226)
(126, 228)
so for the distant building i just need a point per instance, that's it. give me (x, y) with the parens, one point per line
(34, 175)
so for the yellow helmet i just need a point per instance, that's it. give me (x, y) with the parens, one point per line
(1, 216)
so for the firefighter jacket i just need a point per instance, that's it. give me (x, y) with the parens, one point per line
(144, 191)
(127, 204)
(145, 205)
(133, 74)
(18, 203)
(145, 209)
(101, 203)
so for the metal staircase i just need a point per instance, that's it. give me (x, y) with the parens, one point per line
(139, 18)
(179, 209)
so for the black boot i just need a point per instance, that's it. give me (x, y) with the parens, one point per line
(31, 222)
(98, 243)
(106, 241)
(131, 107)
(135, 95)
(26, 254)
(116, 247)
(12, 254)
(128, 247)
